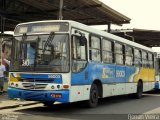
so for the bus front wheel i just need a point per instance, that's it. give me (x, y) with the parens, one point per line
(93, 100)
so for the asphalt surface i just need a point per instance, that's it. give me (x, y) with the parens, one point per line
(111, 108)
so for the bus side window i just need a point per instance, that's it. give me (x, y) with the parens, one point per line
(129, 56)
(95, 49)
(107, 53)
(144, 59)
(150, 60)
(119, 57)
(79, 53)
(137, 57)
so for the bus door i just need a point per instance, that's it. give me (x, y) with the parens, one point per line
(79, 75)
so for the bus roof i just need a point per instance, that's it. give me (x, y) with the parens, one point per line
(95, 31)
(110, 36)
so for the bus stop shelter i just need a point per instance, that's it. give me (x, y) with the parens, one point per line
(90, 12)
(149, 38)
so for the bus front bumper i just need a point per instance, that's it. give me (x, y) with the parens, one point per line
(39, 95)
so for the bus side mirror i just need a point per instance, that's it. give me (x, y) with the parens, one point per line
(83, 40)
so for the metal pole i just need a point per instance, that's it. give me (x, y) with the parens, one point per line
(1, 38)
(109, 27)
(2, 20)
(2, 27)
(60, 10)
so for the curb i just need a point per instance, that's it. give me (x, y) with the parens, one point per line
(15, 106)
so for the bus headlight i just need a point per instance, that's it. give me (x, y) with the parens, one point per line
(52, 87)
(17, 85)
(58, 86)
(12, 84)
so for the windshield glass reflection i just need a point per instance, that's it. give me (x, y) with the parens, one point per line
(47, 53)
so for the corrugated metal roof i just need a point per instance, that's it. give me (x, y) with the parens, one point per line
(90, 12)
(149, 38)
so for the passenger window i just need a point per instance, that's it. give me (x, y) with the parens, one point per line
(144, 59)
(129, 56)
(137, 57)
(119, 53)
(79, 53)
(107, 53)
(150, 60)
(95, 52)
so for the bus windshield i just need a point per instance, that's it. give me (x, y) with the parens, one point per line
(41, 53)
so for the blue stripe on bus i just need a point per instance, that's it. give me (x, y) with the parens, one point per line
(107, 73)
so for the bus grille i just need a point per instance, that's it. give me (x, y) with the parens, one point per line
(34, 86)
(37, 80)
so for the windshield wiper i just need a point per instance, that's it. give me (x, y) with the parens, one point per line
(36, 53)
(24, 38)
(49, 41)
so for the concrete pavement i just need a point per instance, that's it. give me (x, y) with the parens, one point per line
(154, 111)
(6, 103)
(151, 102)
(111, 108)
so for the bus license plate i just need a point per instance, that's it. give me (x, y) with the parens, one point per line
(56, 95)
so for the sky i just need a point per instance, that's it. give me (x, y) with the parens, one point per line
(144, 14)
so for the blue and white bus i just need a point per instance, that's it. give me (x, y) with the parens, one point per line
(67, 61)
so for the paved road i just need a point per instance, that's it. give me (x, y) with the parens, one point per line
(115, 108)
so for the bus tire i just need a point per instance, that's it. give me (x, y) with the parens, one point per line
(139, 92)
(93, 100)
(48, 104)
